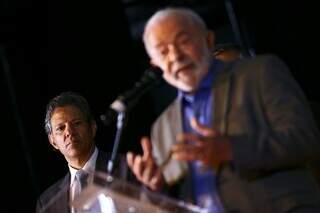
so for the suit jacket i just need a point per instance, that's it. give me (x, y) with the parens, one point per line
(56, 198)
(263, 111)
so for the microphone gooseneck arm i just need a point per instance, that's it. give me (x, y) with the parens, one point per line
(120, 121)
(124, 102)
(151, 77)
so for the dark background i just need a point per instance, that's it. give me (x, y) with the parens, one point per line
(95, 48)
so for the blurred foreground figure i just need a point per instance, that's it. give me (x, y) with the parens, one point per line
(238, 137)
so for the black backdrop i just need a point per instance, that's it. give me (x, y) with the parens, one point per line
(55, 46)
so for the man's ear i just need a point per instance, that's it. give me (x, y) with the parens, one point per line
(210, 39)
(51, 140)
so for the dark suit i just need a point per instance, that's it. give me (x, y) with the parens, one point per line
(263, 111)
(56, 198)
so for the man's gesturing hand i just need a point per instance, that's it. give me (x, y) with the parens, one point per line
(144, 167)
(208, 146)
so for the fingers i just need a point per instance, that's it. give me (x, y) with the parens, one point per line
(137, 166)
(130, 159)
(148, 172)
(212, 150)
(188, 148)
(144, 166)
(146, 148)
(191, 147)
(157, 180)
(202, 130)
(188, 152)
(189, 138)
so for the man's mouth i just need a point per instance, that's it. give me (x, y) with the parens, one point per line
(73, 142)
(182, 69)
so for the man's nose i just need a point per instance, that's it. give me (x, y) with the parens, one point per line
(175, 54)
(69, 130)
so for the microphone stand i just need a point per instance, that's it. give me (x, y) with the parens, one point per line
(120, 122)
(236, 29)
(124, 103)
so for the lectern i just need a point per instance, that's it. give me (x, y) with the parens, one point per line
(109, 194)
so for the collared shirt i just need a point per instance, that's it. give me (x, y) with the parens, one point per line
(103, 204)
(200, 106)
(89, 167)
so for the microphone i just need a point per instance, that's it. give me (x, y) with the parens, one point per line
(150, 78)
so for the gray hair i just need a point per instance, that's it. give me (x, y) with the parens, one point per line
(67, 99)
(185, 13)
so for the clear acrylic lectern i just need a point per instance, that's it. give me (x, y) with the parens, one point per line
(109, 194)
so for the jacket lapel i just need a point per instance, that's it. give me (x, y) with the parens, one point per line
(60, 199)
(102, 161)
(174, 169)
(221, 90)
(65, 198)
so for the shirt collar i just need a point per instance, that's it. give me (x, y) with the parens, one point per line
(89, 166)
